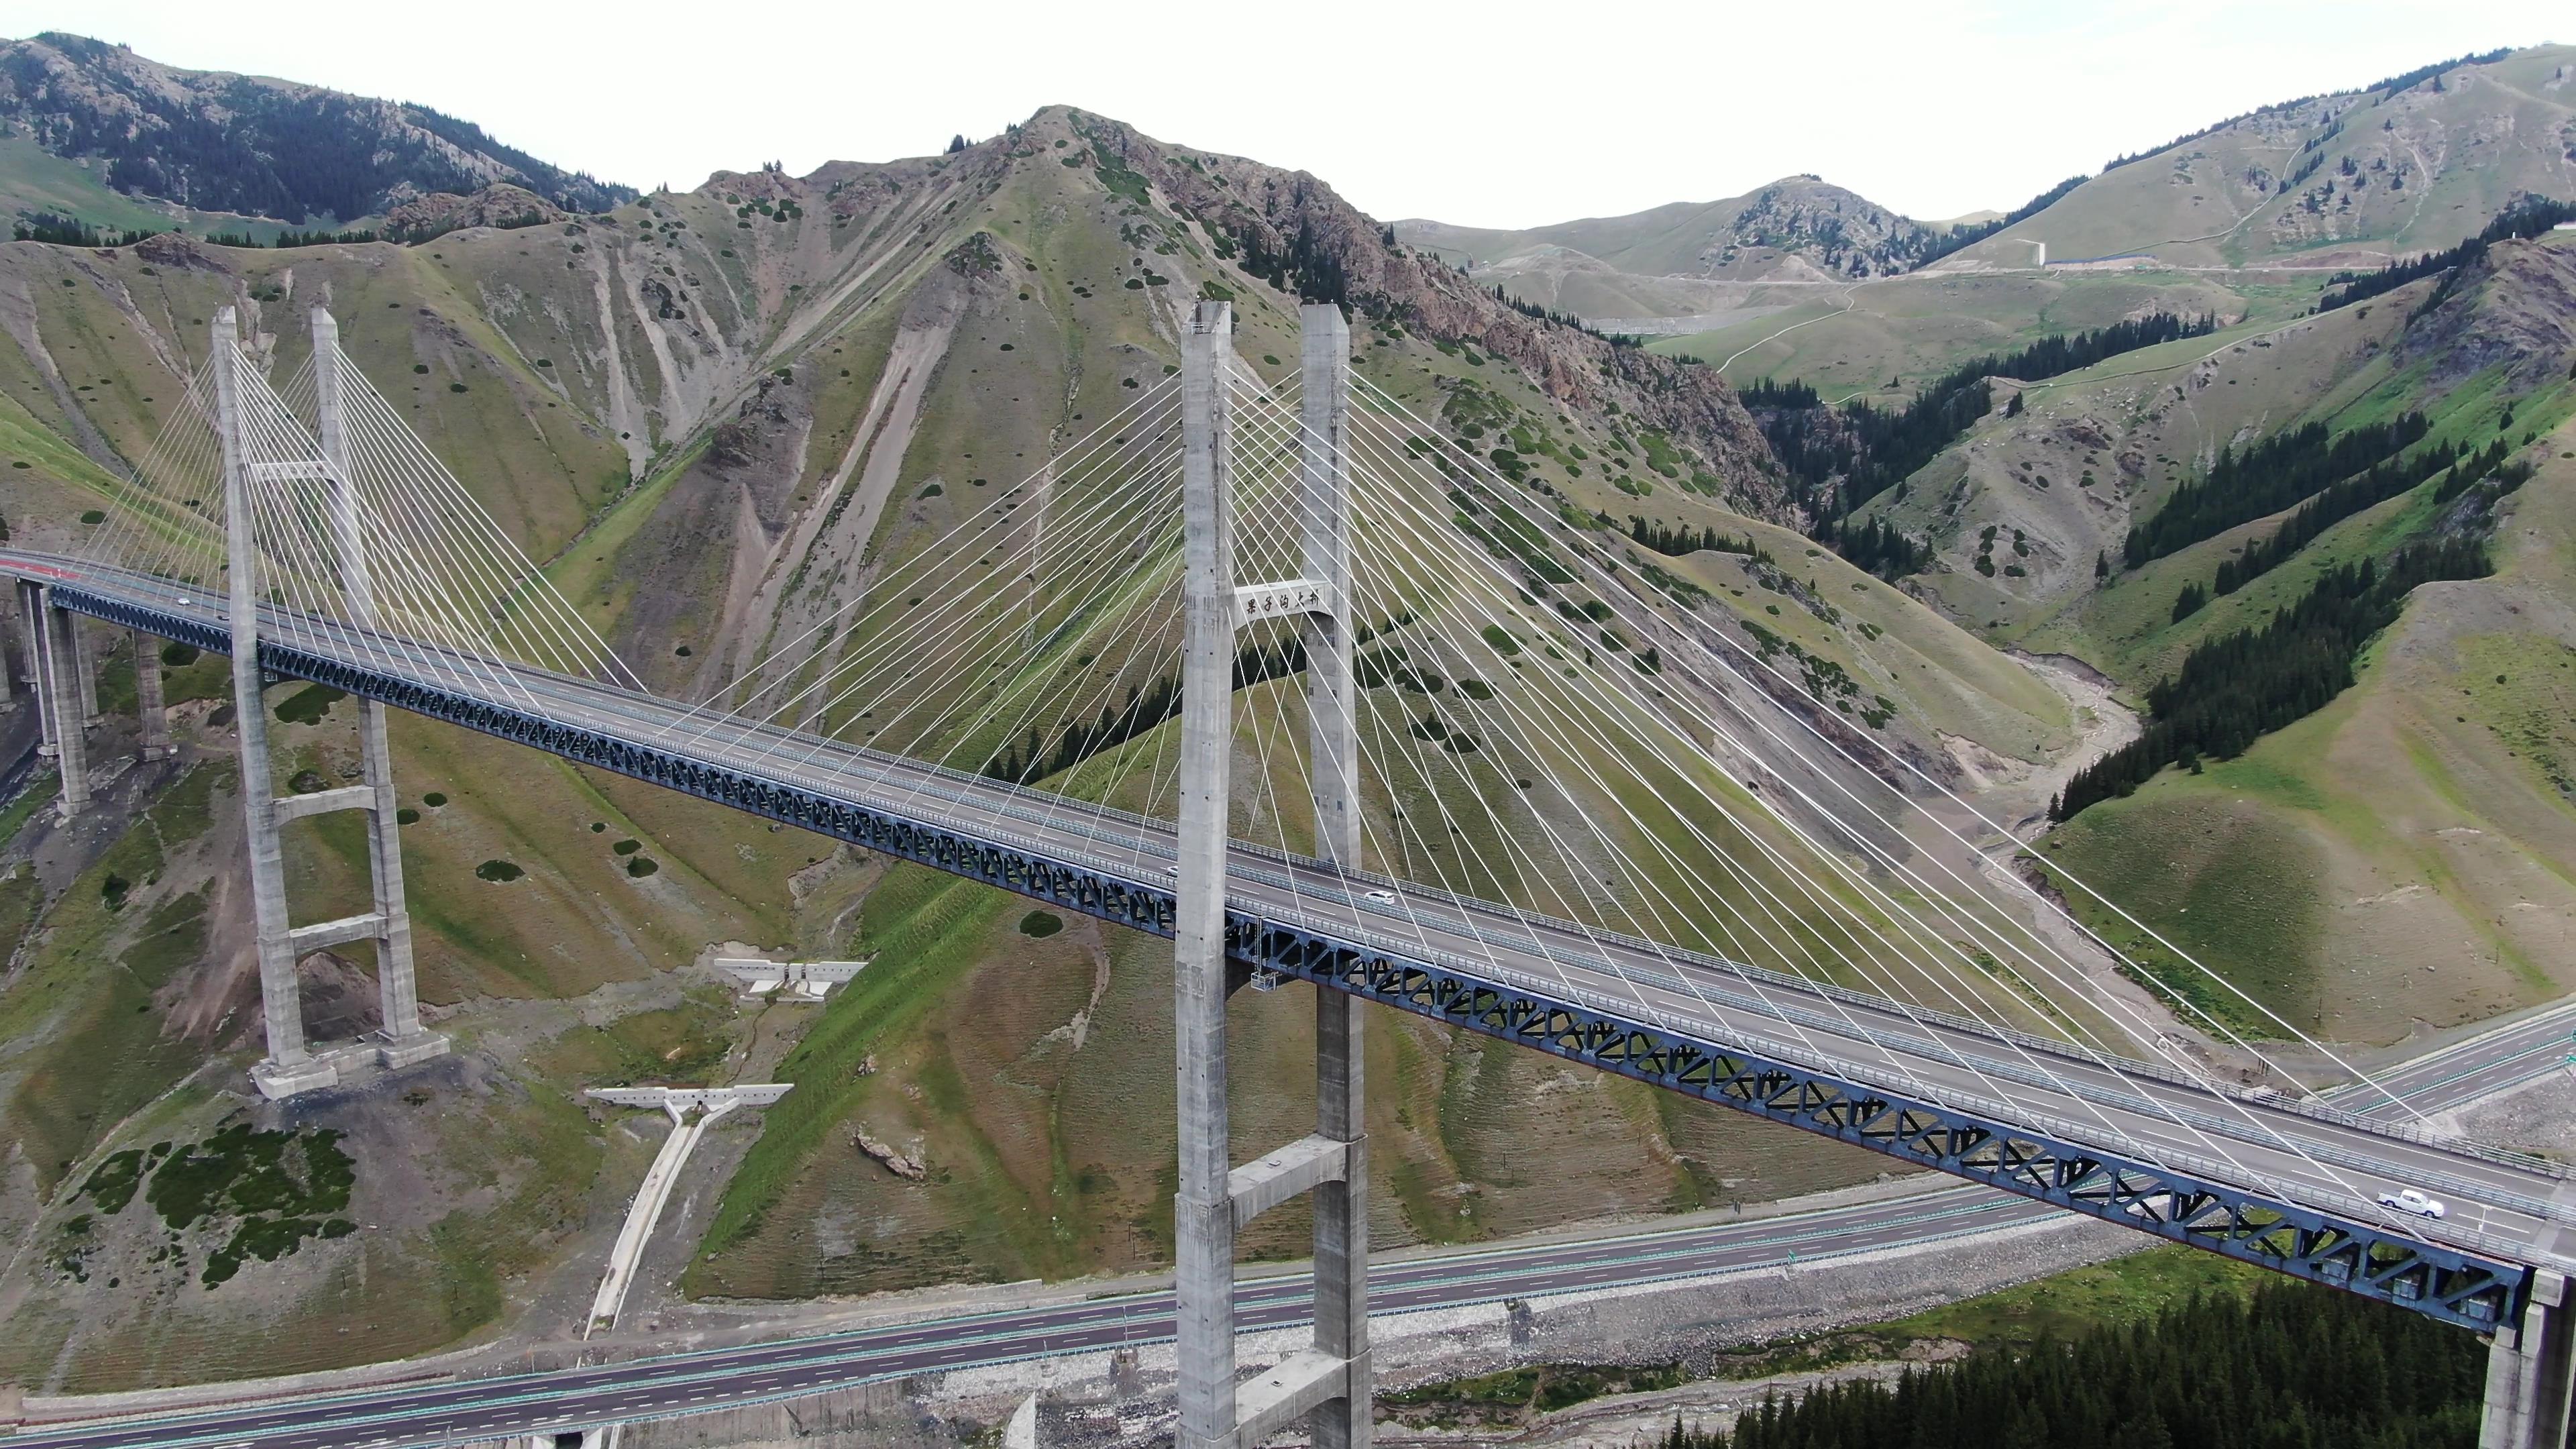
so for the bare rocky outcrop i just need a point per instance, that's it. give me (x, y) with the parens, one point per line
(175, 250)
(440, 212)
(902, 1165)
(1290, 215)
(2516, 306)
(712, 542)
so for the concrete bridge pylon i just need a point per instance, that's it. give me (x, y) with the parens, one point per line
(292, 1066)
(1329, 1385)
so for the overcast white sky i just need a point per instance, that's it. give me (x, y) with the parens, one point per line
(1491, 115)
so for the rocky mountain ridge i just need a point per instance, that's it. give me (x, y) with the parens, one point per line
(1798, 227)
(1331, 246)
(256, 146)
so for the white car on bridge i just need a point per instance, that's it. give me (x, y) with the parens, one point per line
(2409, 1200)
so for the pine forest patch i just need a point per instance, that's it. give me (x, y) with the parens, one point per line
(241, 1193)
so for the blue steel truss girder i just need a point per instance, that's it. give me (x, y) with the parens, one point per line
(1076, 887)
(2442, 1282)
(2463, 1288)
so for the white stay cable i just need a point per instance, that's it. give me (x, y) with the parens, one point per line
(514, 609)
(2181, 1001)
(1075, 463)
(1571, 861)
(431, 580)
(961, 652)
(551, 616)
(1560, 745)
(900, 638)
(1896, 999)
(2221, 1096)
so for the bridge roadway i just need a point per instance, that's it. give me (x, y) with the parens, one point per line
(452, 1411)
(2266, 1152)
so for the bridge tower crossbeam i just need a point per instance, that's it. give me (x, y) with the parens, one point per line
(1329, 1384)
(291, 1066)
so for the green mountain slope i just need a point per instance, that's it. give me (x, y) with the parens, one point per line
(1691, 259)
(2349, 179)
(1798, 226)
(2246, 218)
(2395, 861)
(712, 414)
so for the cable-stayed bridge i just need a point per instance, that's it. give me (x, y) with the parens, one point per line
(1600, 830)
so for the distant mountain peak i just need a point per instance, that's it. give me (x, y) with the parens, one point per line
(1800, 224)
(255, 145)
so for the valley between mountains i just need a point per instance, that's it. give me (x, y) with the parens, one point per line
(713, 415)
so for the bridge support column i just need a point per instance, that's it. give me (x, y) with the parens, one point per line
(1203, 1210)
(84, 668)
(31, 613)
(1329, 1384)
(2529, 1375)
(148, 705)
(401, 1040)
(57, 696)
(1341, 1208)
(290, 1066)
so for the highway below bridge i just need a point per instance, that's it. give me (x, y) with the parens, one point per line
(2291, 1185)
(458, 1411)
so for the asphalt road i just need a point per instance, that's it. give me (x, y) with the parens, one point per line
(2474, 1069)
(446, 1413)
(452, 1412)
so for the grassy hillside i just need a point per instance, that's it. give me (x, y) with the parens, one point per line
(1798, 226)
(1882, 340)
(716, 416)
(2399, 860)
(2348, 179)
(2393, 861)
(2246, 218)
(262, 147)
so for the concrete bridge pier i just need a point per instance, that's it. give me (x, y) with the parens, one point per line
(84, 668)
(149, 707)
(66, 688)
(51, 653)
(31, 621)
(2529, 1374)
(30, 628)
(290, 1066)
(1328, 1385)
(402, 1040)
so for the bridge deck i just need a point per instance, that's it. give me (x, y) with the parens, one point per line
(2285, 1184)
